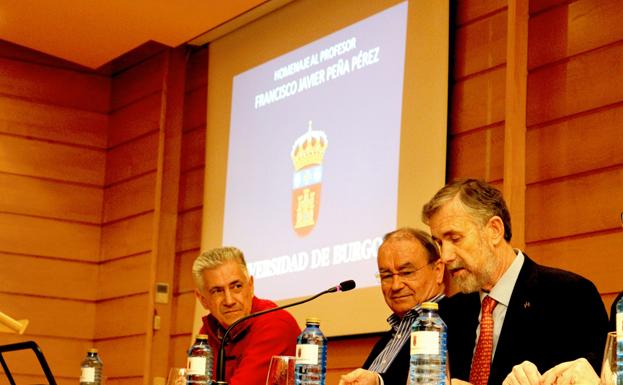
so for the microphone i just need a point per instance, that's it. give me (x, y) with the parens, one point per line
(220, 365)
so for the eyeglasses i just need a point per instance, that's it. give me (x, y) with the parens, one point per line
(387, 278)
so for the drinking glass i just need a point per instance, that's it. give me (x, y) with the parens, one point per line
(281, 370)
(177, 376)
(609, 364)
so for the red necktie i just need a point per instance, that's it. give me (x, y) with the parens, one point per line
(481, 364)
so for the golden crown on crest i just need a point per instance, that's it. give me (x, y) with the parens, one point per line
(309, 148)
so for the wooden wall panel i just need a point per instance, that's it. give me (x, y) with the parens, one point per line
(480, 45)
(478, 101)
(134, 120)
(580, 205)
(44, 121)
(134, 196)
(48, 237)
(126, 316)
(124, 276)
(539, 6)
(37, 158)
(123, 357)
(191, 189)
(57, 86)
(184, 307)
(185, 260)
(45, 277)
(197, 71)
(50, 199)
(346, 354)
(132, 159)
(597, 257)
(178, 348)
(138, 82)
(576, 145)
(52, 316)
(570, 29)
(193, 148)
(194, 109)
(469, 10)
(579, 84)
(478, 153)
(127, 237)
(189, 230)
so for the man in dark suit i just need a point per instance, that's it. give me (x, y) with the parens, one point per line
(514, 319)
(410, 273)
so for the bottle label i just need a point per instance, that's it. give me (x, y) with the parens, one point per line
(619, 326)
(196, 366)
(425, 342)
(87, 375)
(307, 354)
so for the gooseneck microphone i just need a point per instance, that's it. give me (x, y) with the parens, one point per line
(220, 364)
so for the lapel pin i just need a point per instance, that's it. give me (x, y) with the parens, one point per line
(526, 305)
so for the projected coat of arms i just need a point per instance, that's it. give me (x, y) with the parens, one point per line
(307, 154)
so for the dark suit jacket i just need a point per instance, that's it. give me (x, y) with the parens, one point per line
(613, 313)
(398, 370)
(553, 316)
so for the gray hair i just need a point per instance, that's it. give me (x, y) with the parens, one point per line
(214, 258)
(432, 252)
(479, 198)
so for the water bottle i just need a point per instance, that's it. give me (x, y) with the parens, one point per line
(428, 348)
(311, 355)
(199, 362)
(619, 330)
(91, 369)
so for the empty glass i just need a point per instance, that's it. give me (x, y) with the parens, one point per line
(281, 370)
(609, 364)
(177, 376)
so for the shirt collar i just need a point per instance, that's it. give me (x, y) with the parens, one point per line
(394, 321)
(503, 290)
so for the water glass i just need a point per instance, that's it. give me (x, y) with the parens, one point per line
(281, 370)
(177, 376)
(609, 364)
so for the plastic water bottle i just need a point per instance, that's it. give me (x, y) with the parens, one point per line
(199, 362)
(311, 355)
(91, 369)
(619, 330)
(428, 348)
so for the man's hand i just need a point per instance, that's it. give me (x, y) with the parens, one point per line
(525, 373)
(578, 372)
(360, 377)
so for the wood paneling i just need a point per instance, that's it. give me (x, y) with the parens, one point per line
(47, 198)
(127, 237)
(51, 160)
(197, 70)
(346, 354)
(185, 260)
(580, 205)
(123, 357)
(469, 10)
(478, 101)
(195, 109)
(44, 121)
(131, 159)
(131, 197)
(189, 230)
(480, 45)
(124, 276)
(47, 237)
(571, 29)
(191, 189)
(46, 277)
(479, 153)
(135, 120)
(56, 86)
(126, 316)
(52, 316)
(193, 149)
(575, 85)
(184, 308)
(178, 348)
(137, 82)
(596, 257)
(576, 145)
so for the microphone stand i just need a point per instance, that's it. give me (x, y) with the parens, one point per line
(220, 365)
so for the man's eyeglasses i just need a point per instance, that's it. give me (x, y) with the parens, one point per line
(387, 278)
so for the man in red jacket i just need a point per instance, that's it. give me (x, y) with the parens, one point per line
(225, 288)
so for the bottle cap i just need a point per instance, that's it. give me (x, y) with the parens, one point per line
(312, 320)
(202, 336)
(430, 305)
(92, 350)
